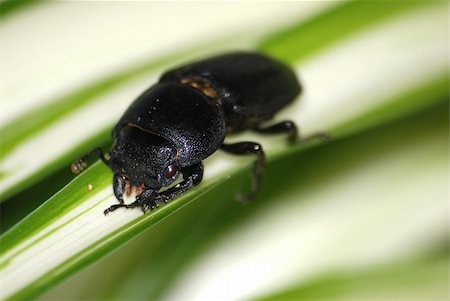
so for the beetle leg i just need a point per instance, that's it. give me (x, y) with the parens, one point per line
(192, 176)
(146, 200)
(287, 126)
(81, 164)
(121, 205)
(291, 129)
(150, 200)
(244, 148)
(119, 187)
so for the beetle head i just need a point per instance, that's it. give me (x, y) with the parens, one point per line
(144, 158)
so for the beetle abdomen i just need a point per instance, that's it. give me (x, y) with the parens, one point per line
(258, 85)
(182, 115)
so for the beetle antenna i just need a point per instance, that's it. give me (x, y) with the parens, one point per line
(81, 164)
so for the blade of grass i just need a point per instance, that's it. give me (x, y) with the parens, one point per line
(10, 7)
(423, 279)
(126, 227)
(317, 33)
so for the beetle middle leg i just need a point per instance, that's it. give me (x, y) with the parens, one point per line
(244, 148)
(81, 164)
(292, 130)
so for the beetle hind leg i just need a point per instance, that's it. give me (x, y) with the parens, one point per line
(292, 130)
(244, 148)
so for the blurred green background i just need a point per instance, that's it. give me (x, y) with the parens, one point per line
(363, 217)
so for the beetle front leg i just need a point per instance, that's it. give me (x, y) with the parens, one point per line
(292, 130)
(150, 199)
(244, 148)
(192, 176)
(119, 187)
(146, 200)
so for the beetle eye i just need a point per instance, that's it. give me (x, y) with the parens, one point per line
(170, 171)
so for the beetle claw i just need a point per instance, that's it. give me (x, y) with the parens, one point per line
(78, 166)
(323, 136)
(161, 198)
(150, 206)
(112, 208)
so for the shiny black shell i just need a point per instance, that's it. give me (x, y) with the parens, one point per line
(184, 116)
(252, 87)
(242, 90)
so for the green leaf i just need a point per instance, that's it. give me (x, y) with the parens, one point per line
(9, 7)
(69, 231)
(421, 279)
(330, 27)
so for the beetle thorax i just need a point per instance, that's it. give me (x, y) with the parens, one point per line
(203, 85)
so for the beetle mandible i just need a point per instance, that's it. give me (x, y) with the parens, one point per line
(184, 118)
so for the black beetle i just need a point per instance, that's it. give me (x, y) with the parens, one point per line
(184, 118)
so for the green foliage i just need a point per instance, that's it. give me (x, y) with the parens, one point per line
(207, 214)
